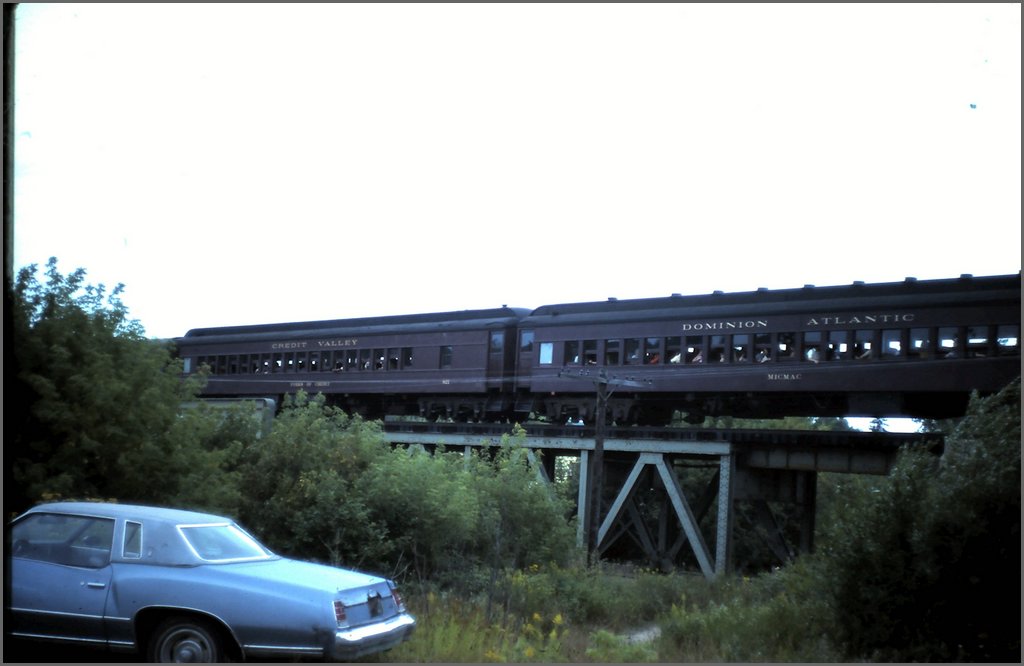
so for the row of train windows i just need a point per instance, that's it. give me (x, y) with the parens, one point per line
(809, 346)
(349, 360)
(342, 360)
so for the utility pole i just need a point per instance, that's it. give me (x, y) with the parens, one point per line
(604, 386)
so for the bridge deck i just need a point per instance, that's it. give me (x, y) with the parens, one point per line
(808, 450)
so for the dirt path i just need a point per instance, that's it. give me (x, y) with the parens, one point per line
(642, 634)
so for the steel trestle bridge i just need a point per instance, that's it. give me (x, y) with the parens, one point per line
(754, 466)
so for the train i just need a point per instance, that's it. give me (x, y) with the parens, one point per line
(915, 348)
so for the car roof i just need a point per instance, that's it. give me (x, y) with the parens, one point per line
(130, 511)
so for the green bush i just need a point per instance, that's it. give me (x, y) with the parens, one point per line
(925, 567)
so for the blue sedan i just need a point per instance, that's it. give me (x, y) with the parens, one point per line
(187, 587)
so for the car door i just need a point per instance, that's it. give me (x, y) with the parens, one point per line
(60, 576)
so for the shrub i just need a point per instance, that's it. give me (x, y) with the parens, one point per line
(926, 567)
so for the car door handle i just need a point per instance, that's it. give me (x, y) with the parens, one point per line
(96, 586)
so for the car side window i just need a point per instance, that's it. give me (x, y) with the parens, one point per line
(76, 541)
(132, 540)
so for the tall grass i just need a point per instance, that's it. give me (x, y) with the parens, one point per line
(558, 615)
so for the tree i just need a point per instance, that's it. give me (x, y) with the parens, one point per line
(925, 566)
(301, 481)
(93, 402)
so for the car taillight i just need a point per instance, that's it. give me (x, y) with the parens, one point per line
(340, 615)
(398, 599)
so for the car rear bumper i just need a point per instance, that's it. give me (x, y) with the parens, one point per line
(370, 638)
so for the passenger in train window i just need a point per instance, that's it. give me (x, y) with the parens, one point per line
(673, 351)
(740, 344)
(763, 355)
(718, 347)
(694, 349)
(812, 354)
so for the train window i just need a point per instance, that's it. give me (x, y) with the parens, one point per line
(716, 347)
(612, 351)
(812, 346)
(232, 365)
(892, 346)
(546, 352)
(863, 345)
(838, 345)
(222, 365)
(364, 359)
(446, 356)
(652, 351)
(289, 362)
(632, 351)
(977, 341)
(572, 352)
(740, 348)
(786, 345)
(762, 347)
(497, 342)
(351, 360)
(949, 342)
(266, 363)
(314, 361)
(1008, 340)
(590, 352)
(674, 349)
(276, 363)
(300, 362)
(694, 349)
(920, 345)
(187, 365)
(378, 359)
(393, 359)
(526, 341)
(406, 357)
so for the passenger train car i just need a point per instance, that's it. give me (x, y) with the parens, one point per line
(914, 348)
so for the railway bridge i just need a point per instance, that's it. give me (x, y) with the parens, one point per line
(633, 503)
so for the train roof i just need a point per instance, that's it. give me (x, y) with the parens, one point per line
(964, 290)
(431, 321)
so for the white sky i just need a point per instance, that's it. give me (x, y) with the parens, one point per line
(243, 164)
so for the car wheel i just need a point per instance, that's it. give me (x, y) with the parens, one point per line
(185, 640)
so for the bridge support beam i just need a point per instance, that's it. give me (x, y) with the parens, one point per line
(723, 545)
(691, 528)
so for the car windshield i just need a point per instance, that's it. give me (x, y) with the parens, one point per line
(222, 542)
